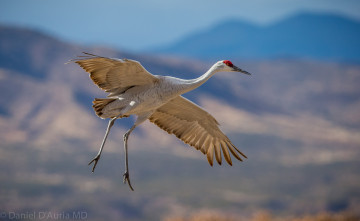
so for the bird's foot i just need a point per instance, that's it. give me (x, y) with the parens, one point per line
(127, 179)
(95, 161)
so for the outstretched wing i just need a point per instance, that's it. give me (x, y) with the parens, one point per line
(196, 127)
(114, 75)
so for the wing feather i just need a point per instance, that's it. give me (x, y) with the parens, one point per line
(210, 155)
(196, 127)
(217, 151)
(232, 150)
(225, 152)
(114, 75)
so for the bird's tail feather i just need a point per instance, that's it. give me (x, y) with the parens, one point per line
(100, 103)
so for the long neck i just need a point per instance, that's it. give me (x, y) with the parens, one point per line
(188, 85)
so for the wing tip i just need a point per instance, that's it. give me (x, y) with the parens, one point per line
(210, 162)
(82, 57)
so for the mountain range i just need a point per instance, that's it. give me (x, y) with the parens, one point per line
(297, 120)
(38, 84)
(327, 37)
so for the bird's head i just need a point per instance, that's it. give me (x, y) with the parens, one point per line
(227, 66)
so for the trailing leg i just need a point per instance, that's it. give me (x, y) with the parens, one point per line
(97, 157)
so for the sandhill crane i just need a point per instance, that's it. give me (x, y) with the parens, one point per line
(134, 91)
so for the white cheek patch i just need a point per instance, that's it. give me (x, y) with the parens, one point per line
(132, 103)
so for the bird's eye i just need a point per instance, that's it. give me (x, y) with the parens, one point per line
(228, 63)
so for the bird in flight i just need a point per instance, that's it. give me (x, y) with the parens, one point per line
(134, 91)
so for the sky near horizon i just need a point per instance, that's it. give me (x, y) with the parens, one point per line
(143, 24)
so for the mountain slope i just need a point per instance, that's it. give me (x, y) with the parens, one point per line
(46, 100)
(40, 88)
(319, 36)
(297, 121)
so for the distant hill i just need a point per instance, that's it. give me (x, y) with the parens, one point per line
(35, 83)
(38, 85)
(306, 35)
(297, 121)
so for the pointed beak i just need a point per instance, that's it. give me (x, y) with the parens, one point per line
(240, 70)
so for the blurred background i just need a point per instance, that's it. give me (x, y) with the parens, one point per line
(297, 118)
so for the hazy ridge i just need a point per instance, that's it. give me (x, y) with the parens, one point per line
(324, 37)
(297, 120)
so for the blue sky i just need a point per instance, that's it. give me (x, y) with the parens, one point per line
(141, 24)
